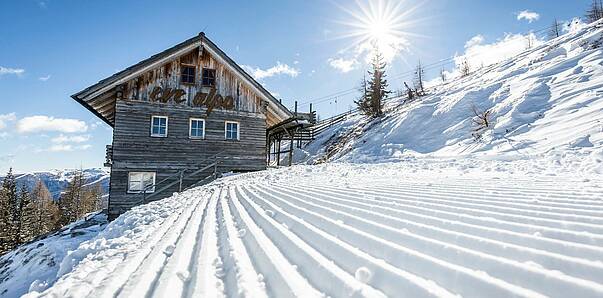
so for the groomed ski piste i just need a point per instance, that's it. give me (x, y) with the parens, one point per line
(404, 206)
(344, 230)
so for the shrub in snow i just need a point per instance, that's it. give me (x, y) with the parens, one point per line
(481, 122)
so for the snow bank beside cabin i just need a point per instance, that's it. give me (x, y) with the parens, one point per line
(36, 265)
(546, 104)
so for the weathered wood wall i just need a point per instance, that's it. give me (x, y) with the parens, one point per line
(135, 150)
(168, 76)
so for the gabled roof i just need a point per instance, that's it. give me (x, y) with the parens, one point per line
(97, 98)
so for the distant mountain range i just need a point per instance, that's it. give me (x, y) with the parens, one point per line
(57, 180)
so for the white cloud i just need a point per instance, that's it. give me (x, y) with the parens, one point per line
(389, 48)
(11, 71)
(60, 148)
(478, 53)
(6, 118)
(46, 123)
(3, 135)
(61, 139)
(475, 41)
(67, 148)
(278, 69)
(44, 79)
(96, 124)
(527, 15)
(8, 158)
(343, 65)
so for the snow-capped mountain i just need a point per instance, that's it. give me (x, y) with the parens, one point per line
(57, 180)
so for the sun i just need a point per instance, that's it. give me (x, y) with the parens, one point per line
(379, 31)
(379, 25)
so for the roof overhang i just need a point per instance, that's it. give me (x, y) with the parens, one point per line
(100, 97)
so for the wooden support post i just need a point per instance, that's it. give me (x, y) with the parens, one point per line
(291, 145)
(275, 149)
(269, 147)
(278, 153)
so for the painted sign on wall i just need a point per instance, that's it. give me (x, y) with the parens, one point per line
(210, 101)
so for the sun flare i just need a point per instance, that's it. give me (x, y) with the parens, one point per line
(379, 25)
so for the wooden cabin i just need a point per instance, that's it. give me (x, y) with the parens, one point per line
(179, 117)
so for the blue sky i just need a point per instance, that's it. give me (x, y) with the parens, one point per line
(50, 49)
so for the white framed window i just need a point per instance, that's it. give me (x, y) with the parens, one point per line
(138, 181)
(231, 130)
(196, 128)
(159, 126)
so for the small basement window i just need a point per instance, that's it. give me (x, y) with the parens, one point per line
(208, 77)
(231, 129)
(140, 181)
(159, 126)
(197, 128)
(187, 75)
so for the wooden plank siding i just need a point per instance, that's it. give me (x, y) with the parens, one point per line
(135, 150)
(128, 99)
(168, 76)
(147, 79)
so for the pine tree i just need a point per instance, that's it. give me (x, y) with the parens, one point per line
(25, 224)
(419, 75)
(595, 12)
(5, 223)
(377, 86)
(443, 75)
(363, 102)
(555, 30)
(9, 186)
(71, 199)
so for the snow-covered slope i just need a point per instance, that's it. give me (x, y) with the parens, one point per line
(546, 103)
(345, 230)
(34, 266)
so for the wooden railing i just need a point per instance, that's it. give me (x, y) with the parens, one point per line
(178, 178)
(324, 124)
